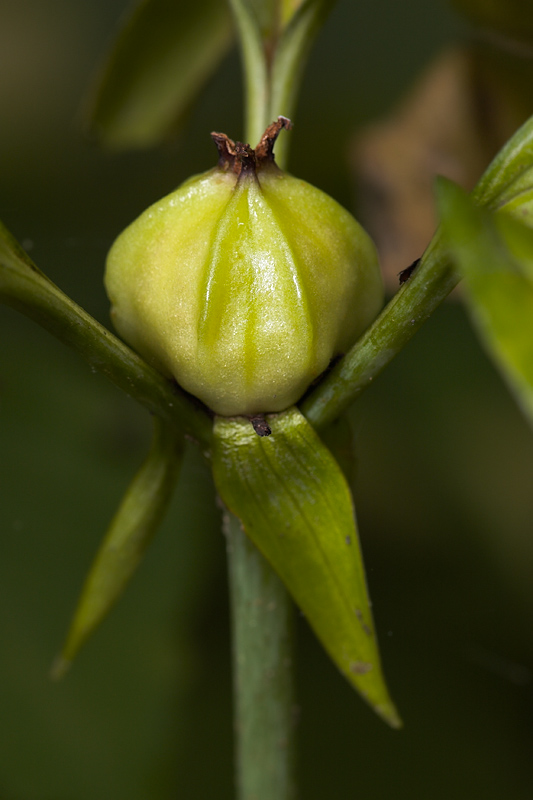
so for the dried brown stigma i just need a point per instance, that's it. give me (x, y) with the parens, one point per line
(241, 158)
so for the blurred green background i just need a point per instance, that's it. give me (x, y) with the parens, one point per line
(443, 490)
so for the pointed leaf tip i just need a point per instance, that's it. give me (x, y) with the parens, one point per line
(131, 530)
(295, 505)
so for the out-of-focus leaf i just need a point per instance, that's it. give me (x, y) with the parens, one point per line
(510, 18)
(162, 57)
(294, 503)
(131, 530)
(510, 174)
(494, 253)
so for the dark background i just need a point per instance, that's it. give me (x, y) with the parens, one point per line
(443, 490)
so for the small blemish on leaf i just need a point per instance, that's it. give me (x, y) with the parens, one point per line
(364, 626)
(360, 667)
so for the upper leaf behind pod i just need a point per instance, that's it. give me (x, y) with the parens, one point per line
(159, 62)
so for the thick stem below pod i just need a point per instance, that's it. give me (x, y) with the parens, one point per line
(262, 626)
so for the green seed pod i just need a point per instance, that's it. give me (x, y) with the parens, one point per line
(244, 283)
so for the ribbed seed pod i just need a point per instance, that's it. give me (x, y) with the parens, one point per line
(245, 282)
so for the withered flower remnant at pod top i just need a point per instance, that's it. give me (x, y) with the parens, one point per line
(245, 282)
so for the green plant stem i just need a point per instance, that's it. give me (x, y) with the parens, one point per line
(262, 627)
(413, 304)
(256, 88)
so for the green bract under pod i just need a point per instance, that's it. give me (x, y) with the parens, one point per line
(244, 283)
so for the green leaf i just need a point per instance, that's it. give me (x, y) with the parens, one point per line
(131, 530)
(295, 505)
(28, 290)
(494, 253)
(510, 174)
(162, 57)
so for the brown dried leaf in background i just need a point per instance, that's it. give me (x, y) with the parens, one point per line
(452, 123)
